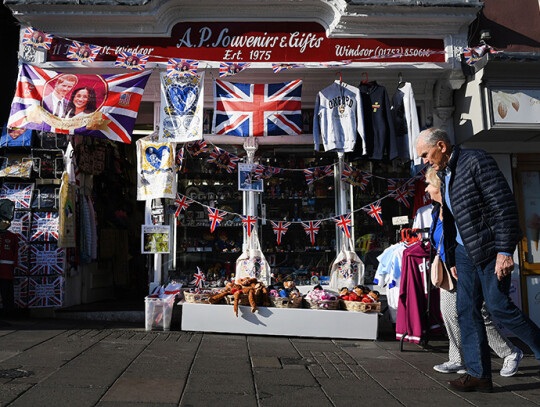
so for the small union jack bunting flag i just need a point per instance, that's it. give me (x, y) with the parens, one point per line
(182, 202)
(197, 147)
(355, 177)
(282, 67)
(223, 159)
(216, 217)
(231, 68)
(131, 61)
(374, 210)
(249, 223)
(317, 173)
(37, 39)
(401, 195)
(344, 223)
(280, 228)
(181, 67)
(395, 183)
(312, 228)
(81, 52)
(198, 278)
(179, 159)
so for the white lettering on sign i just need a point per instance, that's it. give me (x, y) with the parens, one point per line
(302, 41)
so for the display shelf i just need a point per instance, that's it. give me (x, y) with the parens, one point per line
(280, 321)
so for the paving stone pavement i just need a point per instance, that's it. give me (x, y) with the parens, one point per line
(90, 363)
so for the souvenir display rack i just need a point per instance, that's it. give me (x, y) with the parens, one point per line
(39, 276)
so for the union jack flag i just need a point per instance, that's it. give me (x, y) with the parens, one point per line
(374, 210)
(83, 52)
(46, 259)
(282, 67)
(312, 228)
(181, 67)
(20, 225)
(475, 54)
(21, 269)
(257, 172)
(231, 68)
(20, 194)
(223, 159)
(44, 226)
(179, 160)
(244, 109)
(249, 223)
(344, 223)
(355, 177)
(396, 183)
(131, 61)
(198, 278)
(118, 98)
(317, 173)
(215, 216)
(45, 291)
(280, 229)
(182, 203)
(269, 172)
(20, 291)
(337, 63)
(401, 195)
(197, 147)
(37, 39)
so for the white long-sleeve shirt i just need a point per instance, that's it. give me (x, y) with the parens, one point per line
(338, 118)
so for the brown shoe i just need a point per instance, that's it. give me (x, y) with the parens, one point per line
(467, 382)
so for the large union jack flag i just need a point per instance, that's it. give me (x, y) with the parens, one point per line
(20, 194)
(112, 116)
(44, 226)
(46, 259)
(45, 291)
(246, 109)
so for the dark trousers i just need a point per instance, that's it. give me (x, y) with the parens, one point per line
(7, 294)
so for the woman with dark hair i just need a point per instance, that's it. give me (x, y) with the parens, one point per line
(83, 101)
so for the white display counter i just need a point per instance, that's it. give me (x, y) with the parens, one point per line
(280, 321)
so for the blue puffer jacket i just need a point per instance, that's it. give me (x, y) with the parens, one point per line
(483, 205)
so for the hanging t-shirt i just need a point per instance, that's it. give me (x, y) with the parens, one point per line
(155, 170)
(406, 124)
(338, 119)
(379, 130)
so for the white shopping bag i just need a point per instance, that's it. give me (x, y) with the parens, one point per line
(252, 262)
(347, 270)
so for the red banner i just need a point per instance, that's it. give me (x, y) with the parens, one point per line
(261, 42)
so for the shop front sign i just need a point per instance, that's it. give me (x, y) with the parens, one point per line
(271, 42)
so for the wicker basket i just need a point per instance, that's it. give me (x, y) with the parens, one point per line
(198, 298)
(286, 302)
(242, 300)
(321, 304)
(358, 306)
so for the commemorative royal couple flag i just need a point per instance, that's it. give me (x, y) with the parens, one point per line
(103, 106)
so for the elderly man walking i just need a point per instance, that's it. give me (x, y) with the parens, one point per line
(479, 202)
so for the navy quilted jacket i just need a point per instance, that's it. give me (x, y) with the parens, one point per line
(483, 205)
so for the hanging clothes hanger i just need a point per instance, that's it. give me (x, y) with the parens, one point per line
(365, 81)
(340, 78)
(400, 81)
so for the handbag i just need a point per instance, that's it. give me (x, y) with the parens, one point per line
(440, 275)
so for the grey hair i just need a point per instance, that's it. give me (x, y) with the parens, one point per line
(433, 135)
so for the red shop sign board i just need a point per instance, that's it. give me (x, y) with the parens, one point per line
(273, 42)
